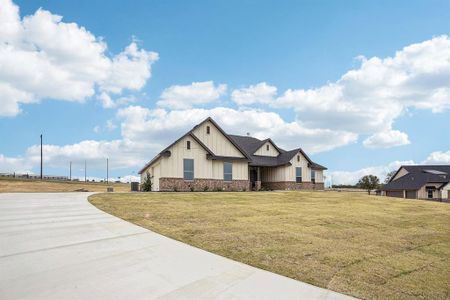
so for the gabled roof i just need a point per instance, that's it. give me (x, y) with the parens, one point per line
(251, 144)
(246, 145)
(418, 176)
(210, 154)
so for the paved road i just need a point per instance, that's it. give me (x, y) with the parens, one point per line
(58, 246)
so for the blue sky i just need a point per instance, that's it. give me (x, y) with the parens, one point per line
(296, 45)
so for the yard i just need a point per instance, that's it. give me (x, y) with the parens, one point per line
(365, 246)
(14, 185)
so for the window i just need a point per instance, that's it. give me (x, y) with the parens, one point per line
(298, 157)
(227, 171)
(188, 145)
(208, 130)
(188, 169)
(298, 174)
(430, 193)
(313, 176)
(267, 147)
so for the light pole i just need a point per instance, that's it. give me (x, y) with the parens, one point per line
(84, 170)
(107, 170)
(41, 156)
(70, 172)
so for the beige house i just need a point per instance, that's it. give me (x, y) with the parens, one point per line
(208, 159)
(420, 182)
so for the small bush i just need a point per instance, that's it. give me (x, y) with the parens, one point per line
(191, 188)
(175, 189)
(146, 186)
(205, 188)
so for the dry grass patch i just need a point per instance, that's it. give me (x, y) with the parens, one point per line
(10, 185)
(366, 246)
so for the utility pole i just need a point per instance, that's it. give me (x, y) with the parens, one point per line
(41, 156)
(84, 170)
(107, 170)
(70, 172)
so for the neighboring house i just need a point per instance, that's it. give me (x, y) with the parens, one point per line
(420, 182)
(207, 158)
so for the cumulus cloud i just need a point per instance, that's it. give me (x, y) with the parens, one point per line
(438, 158)
(188, 96)
(352, 177)
(43, 57)
(368, 99)
(164, 126)
(259, 93)
(14, 164)
(387, 139)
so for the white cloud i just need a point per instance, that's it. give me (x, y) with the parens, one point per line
(368, 99)
(438, 158)
(14, 164)
(387, 139)
(110, 126)
(352, 177)
(121, 154)
(259, 93)
(143, 124)
(42, 57)
(187, 96)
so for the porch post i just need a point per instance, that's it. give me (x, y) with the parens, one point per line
(258, 179)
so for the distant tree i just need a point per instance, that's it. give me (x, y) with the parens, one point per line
(369, 182)
(147, 184)
(389, 176)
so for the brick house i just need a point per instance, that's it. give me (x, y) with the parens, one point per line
(207, 158)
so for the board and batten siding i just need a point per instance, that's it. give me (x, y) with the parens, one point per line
(422, 193)
(401, 172)
(303, 163)
(155, 172)
(446, 192)
(216, 141)
(287, 173)
(273, 152)
(204, 168)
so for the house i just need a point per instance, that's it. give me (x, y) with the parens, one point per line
(420, 182)
(206, 158)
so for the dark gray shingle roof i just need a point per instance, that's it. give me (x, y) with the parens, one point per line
(418, 176)
(250, 145)
(247, 145)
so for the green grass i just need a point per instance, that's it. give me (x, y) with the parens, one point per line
(366, 246)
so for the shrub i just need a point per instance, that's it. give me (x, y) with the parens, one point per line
(146, 186)
(205, 188)
(191, 188)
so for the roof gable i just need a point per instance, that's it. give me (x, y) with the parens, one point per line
(217, 139)
(262, 150)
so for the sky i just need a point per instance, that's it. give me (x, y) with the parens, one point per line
(363, 87)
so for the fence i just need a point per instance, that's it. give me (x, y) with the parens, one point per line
(33, 176)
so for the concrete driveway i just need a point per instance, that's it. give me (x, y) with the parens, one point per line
(59, 246)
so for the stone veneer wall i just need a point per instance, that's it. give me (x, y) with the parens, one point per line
(291, 185)
(179, 184)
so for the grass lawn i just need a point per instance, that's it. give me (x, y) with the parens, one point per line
(11, 185)
(366, 246)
